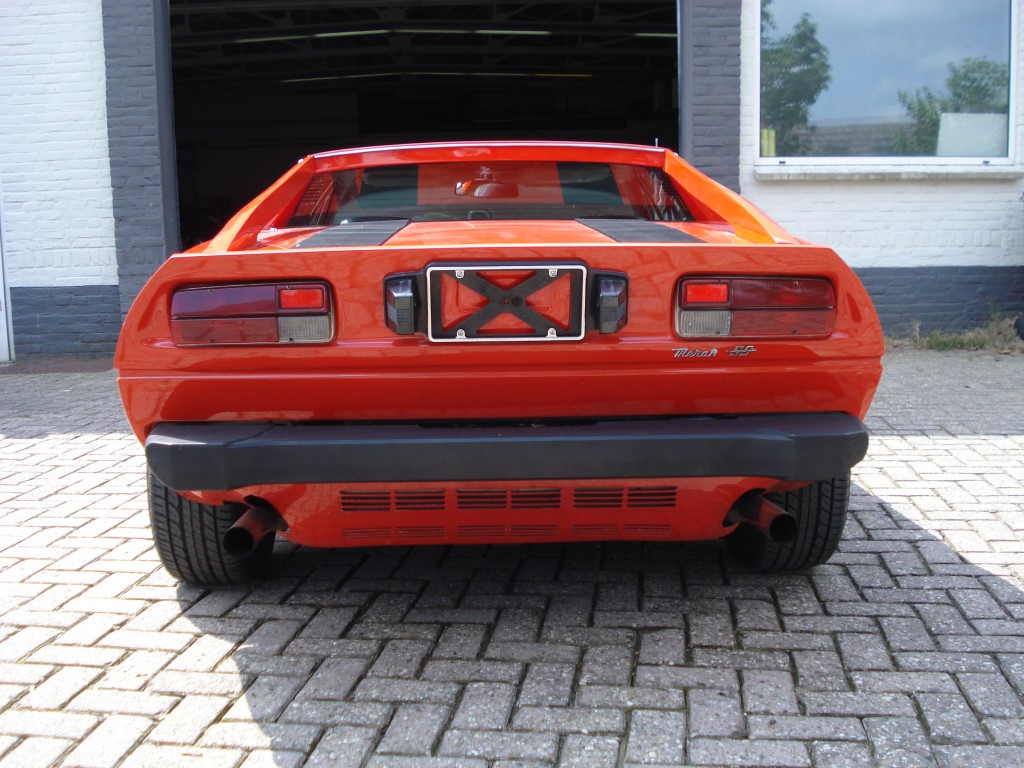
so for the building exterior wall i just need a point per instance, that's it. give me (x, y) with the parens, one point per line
(56, 204)
(141, 139)
(88, 203)
(709, 76)
(937, 245)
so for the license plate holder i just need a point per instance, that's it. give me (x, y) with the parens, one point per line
(506, 302)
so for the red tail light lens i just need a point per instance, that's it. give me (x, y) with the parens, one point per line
(265, 313)
(755, 307)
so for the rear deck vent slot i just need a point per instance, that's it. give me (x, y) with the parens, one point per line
(415, 533)
(536, 498)
(598, 498)
(367, 534)
(365, 501)
(662, 496)
(647, 531)
(480, 531)
(594, 530)
(482, 498)
(533, 531)
(413, 501)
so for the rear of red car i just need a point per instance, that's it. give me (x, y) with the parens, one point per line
(492, 343)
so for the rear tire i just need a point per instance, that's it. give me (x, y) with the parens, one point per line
(189, 539)
(820, 510)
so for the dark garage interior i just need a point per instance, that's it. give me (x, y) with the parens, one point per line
(260, 83)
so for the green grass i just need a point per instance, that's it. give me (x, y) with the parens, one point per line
(997, 335)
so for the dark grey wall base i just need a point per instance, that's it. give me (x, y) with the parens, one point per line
(80, 320)
(943, 298)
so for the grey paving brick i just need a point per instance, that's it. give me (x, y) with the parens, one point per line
(529, 652)
(906, 634)
(334, 679)
(770, 754)
(266, 698)
(607, 665)
(897, 682)
(400, 658)
(460, 641)
(473, 671)
(569, 720)
(715, 713)
(769, 691)
(666, 646)
(991, 695)
(838, 754)
(656, 737)
(949, 718)
(805, 728)
(59, 688)
(857, 704)
(496, 745)
(899, 739)
(821, 671)
(485, 706)
(547, 685)
(109, 743)
(325, 713)
(135, 670)
(398, 761)
(160, 755)
(342, 747)
(627, 697)
(398, 691)
(580, 751)
(37, 752)
(979, 756)
(862, 651)
(189, 719)
(414, 729)
(686, 677)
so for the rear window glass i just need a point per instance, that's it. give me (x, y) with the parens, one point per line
(500, 190)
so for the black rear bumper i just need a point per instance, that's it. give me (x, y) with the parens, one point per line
(217, 456)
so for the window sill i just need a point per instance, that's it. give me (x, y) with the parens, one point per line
(886, 172)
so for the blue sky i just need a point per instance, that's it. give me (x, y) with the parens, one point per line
(877, 47)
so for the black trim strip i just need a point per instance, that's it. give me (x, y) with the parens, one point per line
(638, 231)
(222, 456)
(355, 233)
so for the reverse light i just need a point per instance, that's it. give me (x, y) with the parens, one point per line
(787, 307)
(264, 313)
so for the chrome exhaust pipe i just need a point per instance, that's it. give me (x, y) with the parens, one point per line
(769, 519)
(242, 538)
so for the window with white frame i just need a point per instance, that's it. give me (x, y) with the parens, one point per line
(885, 78)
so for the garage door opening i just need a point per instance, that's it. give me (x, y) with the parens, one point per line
(260, 83)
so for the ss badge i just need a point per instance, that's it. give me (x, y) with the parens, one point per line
(743, 350)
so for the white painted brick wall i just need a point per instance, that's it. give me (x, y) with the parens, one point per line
(55, 208)
(926, 217)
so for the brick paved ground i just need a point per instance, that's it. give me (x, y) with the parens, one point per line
(906, 650)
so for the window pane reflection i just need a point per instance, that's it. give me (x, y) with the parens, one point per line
(877, 78)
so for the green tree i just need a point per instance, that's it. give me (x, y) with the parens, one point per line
(976, 85)
(795, 70)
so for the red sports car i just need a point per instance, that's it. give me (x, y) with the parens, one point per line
(492, 343)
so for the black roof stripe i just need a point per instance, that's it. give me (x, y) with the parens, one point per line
(638, 231)
(354, 234)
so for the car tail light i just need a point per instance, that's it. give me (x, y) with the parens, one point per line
(265, 313)
(793, 307)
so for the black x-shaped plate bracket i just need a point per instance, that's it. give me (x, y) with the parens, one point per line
(513, 301)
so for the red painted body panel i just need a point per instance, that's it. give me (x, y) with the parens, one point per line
(368, 373)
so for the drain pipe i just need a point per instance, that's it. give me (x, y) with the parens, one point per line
(242, 538)
(770, 520)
